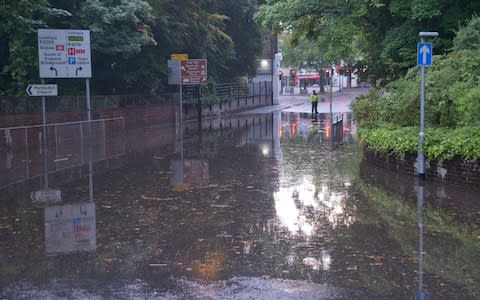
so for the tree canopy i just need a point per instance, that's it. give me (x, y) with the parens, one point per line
(131, 40)
(380, 34)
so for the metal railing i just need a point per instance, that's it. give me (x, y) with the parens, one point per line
(226, 92)
(14, 105)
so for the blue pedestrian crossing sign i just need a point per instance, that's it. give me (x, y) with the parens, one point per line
(424, 54)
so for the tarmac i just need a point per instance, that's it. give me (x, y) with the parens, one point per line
(341, 101)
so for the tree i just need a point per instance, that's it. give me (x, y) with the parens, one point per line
(18, 50)
(383, 33)
(131, 40)
(119, 31)
(246, 37)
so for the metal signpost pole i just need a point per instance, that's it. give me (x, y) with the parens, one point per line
(90, 138)
(44, 140)
(181, 124)
(89, 108)
(62, 53)
(421, 134)
(424, 59)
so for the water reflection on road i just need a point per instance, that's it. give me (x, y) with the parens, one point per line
(256, 207)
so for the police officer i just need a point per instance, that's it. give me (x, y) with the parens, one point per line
(314, 100)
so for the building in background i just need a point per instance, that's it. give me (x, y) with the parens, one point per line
(268, 65)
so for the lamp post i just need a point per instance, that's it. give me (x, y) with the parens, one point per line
(424, 59)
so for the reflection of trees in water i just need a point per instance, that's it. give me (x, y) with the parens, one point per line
(450, 246)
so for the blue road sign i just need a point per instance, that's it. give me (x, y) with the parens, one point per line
(72, 60)
(424, 54)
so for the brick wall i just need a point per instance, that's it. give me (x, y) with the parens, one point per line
(456, 171)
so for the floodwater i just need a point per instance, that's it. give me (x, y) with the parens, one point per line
(274, 206)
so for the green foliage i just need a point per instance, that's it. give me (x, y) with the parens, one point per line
(119, 31)
(131, 40)
(17, 52)
(468, 37)
(366, 109)
(388, 120)
(440, 143)
(446, 143)
(379, 34)
(398, 141)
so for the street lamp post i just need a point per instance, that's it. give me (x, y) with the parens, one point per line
(424, 59)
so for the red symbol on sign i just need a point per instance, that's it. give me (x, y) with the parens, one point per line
(71, 51)
(60, 47)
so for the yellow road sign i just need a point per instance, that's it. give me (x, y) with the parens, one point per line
(176, 56)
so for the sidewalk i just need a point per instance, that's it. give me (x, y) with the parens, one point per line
(301, 103)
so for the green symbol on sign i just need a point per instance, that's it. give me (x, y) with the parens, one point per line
(75, 38)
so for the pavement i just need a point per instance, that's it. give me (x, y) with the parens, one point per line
(301, 103)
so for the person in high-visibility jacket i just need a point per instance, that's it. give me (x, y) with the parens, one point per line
(314, 100)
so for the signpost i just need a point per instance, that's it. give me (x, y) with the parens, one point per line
(64, 53)
(424, 59)
(424, 54)
(176, 56)
(193, 71)
(184, 71)
(36, 90)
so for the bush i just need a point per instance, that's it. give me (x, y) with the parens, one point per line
(440, 143)
(388, 121)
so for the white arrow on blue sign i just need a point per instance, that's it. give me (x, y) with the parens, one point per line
(424, 54)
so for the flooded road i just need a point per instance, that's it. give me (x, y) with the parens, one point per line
(265, 206)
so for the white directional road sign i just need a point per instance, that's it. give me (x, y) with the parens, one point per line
(424, 54)
(64, 53)
(42, 90)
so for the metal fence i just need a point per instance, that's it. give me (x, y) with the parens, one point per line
(226, 92)
(208, 94)
(12, 105)
(24, 156)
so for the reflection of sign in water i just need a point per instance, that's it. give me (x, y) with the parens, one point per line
(70, 228)
(194, 171)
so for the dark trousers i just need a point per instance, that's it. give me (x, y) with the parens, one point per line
(314, 107)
